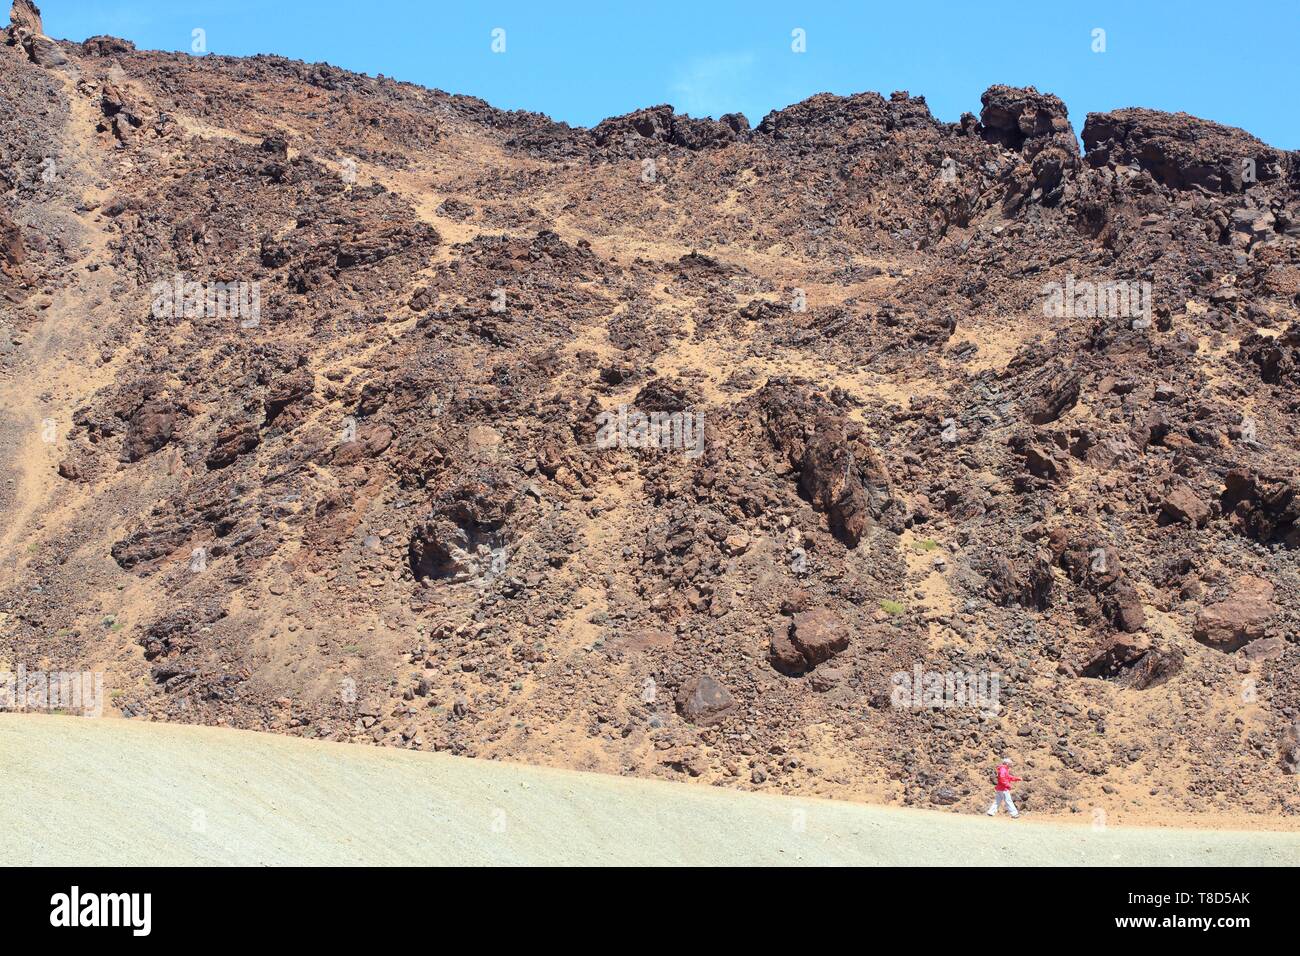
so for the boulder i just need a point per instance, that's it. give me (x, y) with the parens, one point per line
(1289, 748)
(1155, 667)
(1239, 618)
(149, 429)
(1181, 504)
(829, 476)
(147, 544)
(1023, 579)
(1056, 395)
(785, 657)
(464, 536)
(1265, 508)
(945, 797)
(12, 252)
(1125, 607)
(43, 51)
(1264, 649)
(276, 145)
(1115, 654)
(1250, 226)
(287, 390)
(1044, 460)
(1277, 356)
(702, 700)
(1098, 571)
(818, 635)
(371, 439)
(839, 473)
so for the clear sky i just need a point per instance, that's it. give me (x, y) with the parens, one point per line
(1236, 63)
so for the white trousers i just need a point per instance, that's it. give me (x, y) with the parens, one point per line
(1003, 796)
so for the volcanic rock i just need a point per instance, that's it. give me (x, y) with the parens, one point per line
(1182, 504)
(702, 700)
(1180, 151)
(1239, 618)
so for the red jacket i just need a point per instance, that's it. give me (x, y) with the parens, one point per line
(1005, 780)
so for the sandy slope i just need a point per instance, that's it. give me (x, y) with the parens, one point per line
(116, 792)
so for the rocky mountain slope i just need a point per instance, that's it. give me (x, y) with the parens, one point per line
(302, 376)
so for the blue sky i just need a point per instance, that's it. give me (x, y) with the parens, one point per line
(582, 61)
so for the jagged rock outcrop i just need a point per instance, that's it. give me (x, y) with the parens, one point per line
(105, 45)
(1181, 151)
(857, 121)
(662, 125)
(26, 15)
(1035, 125)
(840, 474)
(25, 30)
(1265, 508)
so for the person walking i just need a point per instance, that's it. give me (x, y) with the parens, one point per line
(1003, 790)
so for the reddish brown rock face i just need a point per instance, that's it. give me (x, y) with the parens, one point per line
(1264, 508)
(908, 448)
(829, 476)
(1156, 667)
(232, 442)
(369, 440)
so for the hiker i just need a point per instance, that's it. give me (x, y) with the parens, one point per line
(1005, 780)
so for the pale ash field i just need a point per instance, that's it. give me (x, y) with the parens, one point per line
(117, 793)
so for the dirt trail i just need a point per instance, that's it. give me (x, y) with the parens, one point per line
(117, 792)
